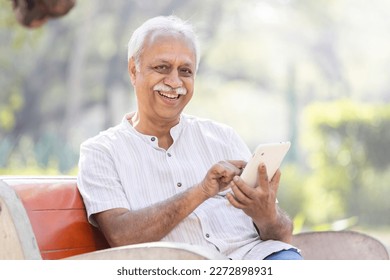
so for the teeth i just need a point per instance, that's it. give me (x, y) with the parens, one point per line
(169, 95)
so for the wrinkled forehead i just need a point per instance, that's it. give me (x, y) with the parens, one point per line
(158, 37)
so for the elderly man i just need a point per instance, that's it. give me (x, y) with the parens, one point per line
(163, 175)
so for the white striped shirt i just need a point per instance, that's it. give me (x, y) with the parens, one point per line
(122, 168)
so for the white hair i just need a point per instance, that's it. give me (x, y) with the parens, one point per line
(161, 24)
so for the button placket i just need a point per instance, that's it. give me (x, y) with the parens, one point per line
(153, 140)
(206, 229)
(172, 163)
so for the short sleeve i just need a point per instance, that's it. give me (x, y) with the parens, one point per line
(98, 180)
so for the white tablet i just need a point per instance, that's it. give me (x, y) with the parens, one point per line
(271, 154)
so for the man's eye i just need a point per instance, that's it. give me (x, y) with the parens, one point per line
(161, 68)
(186, 72)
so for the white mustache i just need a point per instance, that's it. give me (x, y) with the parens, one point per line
(165, 88)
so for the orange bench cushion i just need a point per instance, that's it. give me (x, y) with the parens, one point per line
(58, 218)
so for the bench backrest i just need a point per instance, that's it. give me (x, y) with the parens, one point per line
(57, 215)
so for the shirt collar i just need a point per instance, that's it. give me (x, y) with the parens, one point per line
(151, 139)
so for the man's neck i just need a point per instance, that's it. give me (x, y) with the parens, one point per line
(158, 128)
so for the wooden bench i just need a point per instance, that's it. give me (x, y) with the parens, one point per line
(57, 216)
(45, 218)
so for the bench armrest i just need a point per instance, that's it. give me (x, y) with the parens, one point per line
(17, 239)
(152, 251)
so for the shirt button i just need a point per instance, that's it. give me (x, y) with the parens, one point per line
(153, 139)
(207, 235)
(169, 155)
(178, 184)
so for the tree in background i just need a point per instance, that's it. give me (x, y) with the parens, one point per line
(348, 167)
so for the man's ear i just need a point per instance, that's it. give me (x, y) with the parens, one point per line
(131, 68)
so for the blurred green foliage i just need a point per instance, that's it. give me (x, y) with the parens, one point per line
(348, 169)
(48, 155)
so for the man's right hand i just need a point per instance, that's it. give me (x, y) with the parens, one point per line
(220, 175)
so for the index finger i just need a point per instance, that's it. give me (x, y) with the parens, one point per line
(240, 164)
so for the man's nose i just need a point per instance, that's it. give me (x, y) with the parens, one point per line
(173, 79)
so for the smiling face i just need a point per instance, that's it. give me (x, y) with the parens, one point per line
(167, 62)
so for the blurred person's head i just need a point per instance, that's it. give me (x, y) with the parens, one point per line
(34, 13)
